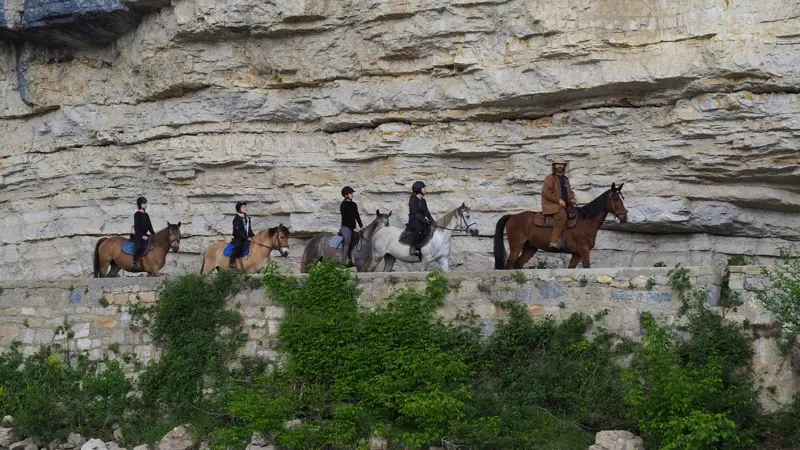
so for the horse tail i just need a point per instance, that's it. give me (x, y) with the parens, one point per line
(499, 247)
(203, 264)
(304, 260)
(97, 273)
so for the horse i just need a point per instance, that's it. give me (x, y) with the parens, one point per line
(318, 247)
(108, 253)
(261, 246)
(386, 243)
(527, 237)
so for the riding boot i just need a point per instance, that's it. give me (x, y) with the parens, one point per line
(232, 259)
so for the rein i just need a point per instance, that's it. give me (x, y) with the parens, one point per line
(462, 226)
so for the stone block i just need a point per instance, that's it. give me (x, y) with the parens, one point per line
(618, 440)
(620, 295)
(551, 290)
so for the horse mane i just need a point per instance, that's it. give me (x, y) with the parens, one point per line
(161, 238)
(367, 231)
(446, 218)
(595, 207)
(274, 230)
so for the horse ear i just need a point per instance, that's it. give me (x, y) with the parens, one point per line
(169, 224)
(463, 204)
(390, 213)
(614, 186)
(377, 212)
(620, 186)
(179, 224)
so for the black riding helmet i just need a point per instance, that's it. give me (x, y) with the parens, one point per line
(139, 201)
(417, 187)
(347, 190)
(239, 205)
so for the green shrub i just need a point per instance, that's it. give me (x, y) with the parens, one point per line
(49, 398)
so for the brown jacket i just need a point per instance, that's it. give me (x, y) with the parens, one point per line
(551, 194)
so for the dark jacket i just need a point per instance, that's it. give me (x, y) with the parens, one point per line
(418, 217)
(141, 224)
(241, 230)
(350, 215)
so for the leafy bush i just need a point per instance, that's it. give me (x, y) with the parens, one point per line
(783, 298)
(695, 393)
(50, 398)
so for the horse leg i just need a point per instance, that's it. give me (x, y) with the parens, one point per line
(527, 253)
(115, 268)
(388, 262)
(585, 257)
(573, 263)
(444, 262)
(104, 269)
(513, 254)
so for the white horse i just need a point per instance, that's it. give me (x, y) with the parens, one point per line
(386, 242)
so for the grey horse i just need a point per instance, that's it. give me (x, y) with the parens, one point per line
(318, 247)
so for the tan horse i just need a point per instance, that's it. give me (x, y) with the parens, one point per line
(108, 253)
(262, 244)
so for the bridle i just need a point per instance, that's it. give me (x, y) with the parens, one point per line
(462, 225)
(614, 208)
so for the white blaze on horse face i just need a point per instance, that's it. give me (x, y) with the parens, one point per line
(284, 251)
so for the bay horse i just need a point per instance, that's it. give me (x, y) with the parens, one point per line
(318, 247)
(108, 253)
(261, 247)
(386, 243)
(527, 237)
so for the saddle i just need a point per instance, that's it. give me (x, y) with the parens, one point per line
(409, 237)
(128, 247)
(337, 240)
(541, 220)
(229, 249)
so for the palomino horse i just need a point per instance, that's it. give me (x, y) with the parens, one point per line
(319, 246)
(108, 252)
(386, 243)
(261, 246)
(525, 236)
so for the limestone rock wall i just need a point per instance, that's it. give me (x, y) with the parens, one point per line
(199, 103)
(98, 309)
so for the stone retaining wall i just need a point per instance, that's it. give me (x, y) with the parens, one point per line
(30, 311)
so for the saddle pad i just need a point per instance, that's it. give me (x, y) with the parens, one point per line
(128, 247)
(229, 249)
(336, 241)
(540, 220)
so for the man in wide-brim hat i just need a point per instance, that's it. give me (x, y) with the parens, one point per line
(556, 195)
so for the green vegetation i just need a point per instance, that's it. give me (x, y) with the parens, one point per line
(347, 374)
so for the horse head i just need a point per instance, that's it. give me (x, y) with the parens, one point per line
(615, 204)
(281, 239)
(381, 220)
(465, 214)
(174, 236)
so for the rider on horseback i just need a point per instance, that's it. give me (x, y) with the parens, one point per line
(419, 218)
(141, 226)
(350, 216)
(242, 232)
(556, 195)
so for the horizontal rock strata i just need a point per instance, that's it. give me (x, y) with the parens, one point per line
(201, 103)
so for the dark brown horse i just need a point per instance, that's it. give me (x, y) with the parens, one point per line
(108, 253)
(527, 237)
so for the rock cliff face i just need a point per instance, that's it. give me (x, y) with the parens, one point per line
(199, 103)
